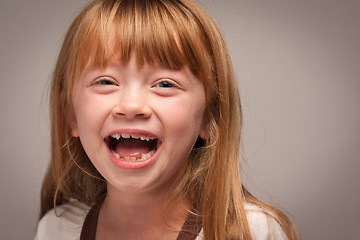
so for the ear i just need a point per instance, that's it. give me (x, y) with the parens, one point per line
(204, 131)
(70, 116)
(73, 124)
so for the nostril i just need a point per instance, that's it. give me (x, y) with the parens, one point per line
(126, 112)
(143, 115)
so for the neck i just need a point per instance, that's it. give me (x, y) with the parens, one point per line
(139, 214)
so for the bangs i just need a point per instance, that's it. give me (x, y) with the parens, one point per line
(113, 30)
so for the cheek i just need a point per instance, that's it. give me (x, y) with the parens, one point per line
(90, 113)
(184, 116)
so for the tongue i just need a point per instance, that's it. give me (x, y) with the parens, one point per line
(132, 147)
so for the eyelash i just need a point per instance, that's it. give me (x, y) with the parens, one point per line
(166, 83)
(105, 81)
(169, 84)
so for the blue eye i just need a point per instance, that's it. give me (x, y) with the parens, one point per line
(165, 84)
(105, 81)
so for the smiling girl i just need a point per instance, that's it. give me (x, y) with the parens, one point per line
(146, 125)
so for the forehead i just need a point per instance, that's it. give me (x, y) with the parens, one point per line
(114, 51)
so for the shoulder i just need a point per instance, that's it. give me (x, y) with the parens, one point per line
(262, 223)
(64, 223)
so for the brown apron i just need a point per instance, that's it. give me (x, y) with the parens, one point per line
(190, 229)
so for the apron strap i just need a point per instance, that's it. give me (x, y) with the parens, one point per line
(88, 231)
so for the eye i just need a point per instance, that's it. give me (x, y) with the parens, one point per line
(166, 83)
(105, 81)
(166, 87)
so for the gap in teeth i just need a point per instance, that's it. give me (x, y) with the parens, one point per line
(143, 137)
(144, 156)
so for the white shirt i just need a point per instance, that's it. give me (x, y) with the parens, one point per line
(66, 223)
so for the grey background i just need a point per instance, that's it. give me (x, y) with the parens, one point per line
(298, 66)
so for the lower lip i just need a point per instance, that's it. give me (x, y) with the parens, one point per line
(133, 165)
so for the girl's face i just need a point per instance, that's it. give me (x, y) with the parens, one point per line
(138, 125)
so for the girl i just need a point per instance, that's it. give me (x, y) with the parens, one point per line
(146, 124)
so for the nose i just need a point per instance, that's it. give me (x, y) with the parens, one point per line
(132, 104)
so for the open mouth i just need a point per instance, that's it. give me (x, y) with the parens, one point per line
(132, 147)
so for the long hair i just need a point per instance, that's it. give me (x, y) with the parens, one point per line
(175, 34)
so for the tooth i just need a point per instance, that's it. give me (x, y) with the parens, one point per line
(136, 136)
(147, 138)
(152, 138)
(143, 156)
(133, 159)
(125, 135)
(115, 154)
(142, 137)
